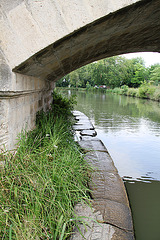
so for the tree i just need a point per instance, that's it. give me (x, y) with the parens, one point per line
(140, 75)
(85, 75)
(155, 75)
(74, 79)
(63, 82)
(113, 72)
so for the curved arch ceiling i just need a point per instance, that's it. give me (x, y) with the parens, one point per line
(135, 28)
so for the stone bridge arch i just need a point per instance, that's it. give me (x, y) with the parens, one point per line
(43, 40)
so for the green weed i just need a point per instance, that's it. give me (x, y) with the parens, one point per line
(43, 180)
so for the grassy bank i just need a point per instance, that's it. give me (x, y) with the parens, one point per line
(145, 91)
(43, 179)
(90, 89)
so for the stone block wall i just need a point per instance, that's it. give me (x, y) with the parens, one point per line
(4, 128)
(19, 106)
(21, 97)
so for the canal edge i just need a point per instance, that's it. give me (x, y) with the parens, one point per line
(110, 217)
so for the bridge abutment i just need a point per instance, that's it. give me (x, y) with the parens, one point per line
(19, 105)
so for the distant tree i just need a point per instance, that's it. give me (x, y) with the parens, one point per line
(138, 60)
(63, 82)
(155, 75)
(152, 67)
(85, 75)
(140, 75)
(113, 72)
(74, 79)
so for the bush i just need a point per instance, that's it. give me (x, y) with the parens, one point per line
(117, 90)
(124, 90)
(156, 95)
(146, 91)
(88, 86)
(132, 92)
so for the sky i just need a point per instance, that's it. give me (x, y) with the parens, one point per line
(150, 58)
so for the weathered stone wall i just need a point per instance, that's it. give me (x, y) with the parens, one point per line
(21, 96)
(18, 108)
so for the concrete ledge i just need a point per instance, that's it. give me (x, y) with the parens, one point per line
(110, 216)
(12, 94)
(91, 133)
(108, 185)
(101, 161)
(87, 138)
(85, 126)
(93, 146)
(113, 211)
(97, 229)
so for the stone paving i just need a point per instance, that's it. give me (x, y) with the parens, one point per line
(109, 216)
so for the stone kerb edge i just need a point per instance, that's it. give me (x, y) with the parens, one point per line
(110, 206)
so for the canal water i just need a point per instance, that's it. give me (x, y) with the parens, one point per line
(130, 129)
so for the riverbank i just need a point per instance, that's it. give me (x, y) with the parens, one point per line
(145, 91)
(110, 215)
(43, 179)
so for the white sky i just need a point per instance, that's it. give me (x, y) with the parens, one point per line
(150, 58)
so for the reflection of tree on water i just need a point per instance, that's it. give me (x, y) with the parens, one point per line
(118, 110)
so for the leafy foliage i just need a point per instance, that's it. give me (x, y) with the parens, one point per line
(155, 75)
(124, 89)
(146, 91)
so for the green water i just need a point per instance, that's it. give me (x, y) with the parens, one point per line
(130, 129)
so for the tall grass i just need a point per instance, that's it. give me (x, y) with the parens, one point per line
(42, 181)
(145, 91)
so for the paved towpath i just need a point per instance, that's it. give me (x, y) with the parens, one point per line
(109, 218)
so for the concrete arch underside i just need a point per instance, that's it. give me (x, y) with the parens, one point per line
(135, 28)
(42, 41)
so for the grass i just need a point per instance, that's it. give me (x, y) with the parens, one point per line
(42, 181)
(145, 91)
